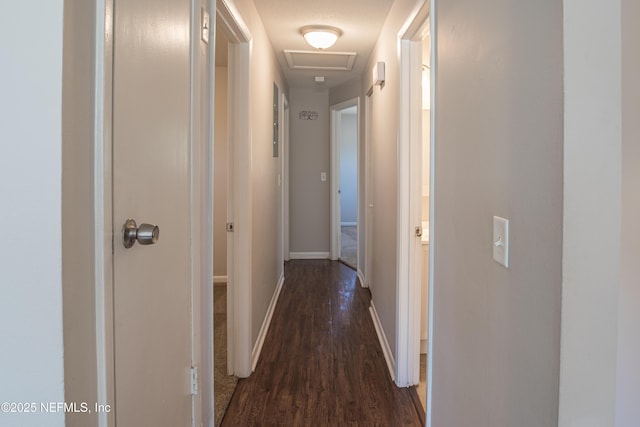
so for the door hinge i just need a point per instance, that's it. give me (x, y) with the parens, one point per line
(230, 227)
(194, 381)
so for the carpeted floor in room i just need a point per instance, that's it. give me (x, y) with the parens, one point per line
(349, 245)
(223, 384)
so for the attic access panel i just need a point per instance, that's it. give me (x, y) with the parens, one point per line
(312, 60)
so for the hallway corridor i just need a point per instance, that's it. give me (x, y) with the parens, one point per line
(321, 363)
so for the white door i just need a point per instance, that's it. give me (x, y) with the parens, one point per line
(152, 290)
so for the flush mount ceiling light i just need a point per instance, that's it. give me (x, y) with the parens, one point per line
(320, 36)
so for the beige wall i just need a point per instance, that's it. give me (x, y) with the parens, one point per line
(498, 148)
(220, 174)
(384, 146)
(267, 262)
(628, 366)
(309, 156)
(77, 208)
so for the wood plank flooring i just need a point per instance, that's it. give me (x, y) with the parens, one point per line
(321, 364)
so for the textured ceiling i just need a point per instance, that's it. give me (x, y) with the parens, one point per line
(359, 20)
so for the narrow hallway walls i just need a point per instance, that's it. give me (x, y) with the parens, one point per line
(266, 262)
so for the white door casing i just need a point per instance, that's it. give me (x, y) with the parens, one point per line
(336, 126)
(151, 183)
(239, 192)
(409, 253)
(368, 193)
(285, 177)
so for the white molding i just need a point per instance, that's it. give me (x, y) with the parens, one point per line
(240, 198)
(233, 25)
(257, 348)
(348, 224)
(103, 202)
(205, 363)
(285, 176)
(363, 283)
(334, 202)
(384, 344)
(409, 248)
(336, 119)
(309, 255)
(368, 191)
(220, 279)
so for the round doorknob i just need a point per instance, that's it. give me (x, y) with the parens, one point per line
(146, 234)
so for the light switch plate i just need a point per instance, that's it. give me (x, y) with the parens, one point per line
(323, 176)
(501, 241)
(205, 26)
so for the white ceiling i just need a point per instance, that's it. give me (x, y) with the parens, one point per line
(359, 20)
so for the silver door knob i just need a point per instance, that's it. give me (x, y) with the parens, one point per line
(146, 234)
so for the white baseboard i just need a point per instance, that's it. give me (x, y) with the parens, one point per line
(348, 224)
(386, 350)
(424, 346)
(257, 348)
(309, 255)
(361, 278)
(220, 279)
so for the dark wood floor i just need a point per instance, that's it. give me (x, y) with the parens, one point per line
(321, 364)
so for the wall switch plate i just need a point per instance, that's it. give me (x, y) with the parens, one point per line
(323, 176)
(501, 241)
(205, 26)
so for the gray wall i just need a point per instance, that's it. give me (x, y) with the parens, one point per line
(266, 261)
(348, 168)
(384, 148)
(77, 208)
(499, 151)
(220, 174)
(628, 376)
(309, 156)
(31, 320)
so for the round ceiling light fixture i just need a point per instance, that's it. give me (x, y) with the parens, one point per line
(320, 36)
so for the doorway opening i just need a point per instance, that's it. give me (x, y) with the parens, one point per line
(344, 182)
(424, 217)
(415, 206)
(231, 206)
(223, 335)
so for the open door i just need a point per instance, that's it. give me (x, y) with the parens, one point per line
(344, 182)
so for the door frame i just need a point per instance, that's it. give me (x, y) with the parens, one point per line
(239, 198)
(106, 237)
(103, 202)
(409, 252)
(284, 138)
(335, 228)
(368, 193)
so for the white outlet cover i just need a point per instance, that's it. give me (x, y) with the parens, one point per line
(501, 241)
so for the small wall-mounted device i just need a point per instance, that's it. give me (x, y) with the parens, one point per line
(205, 28)
(378, 73)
